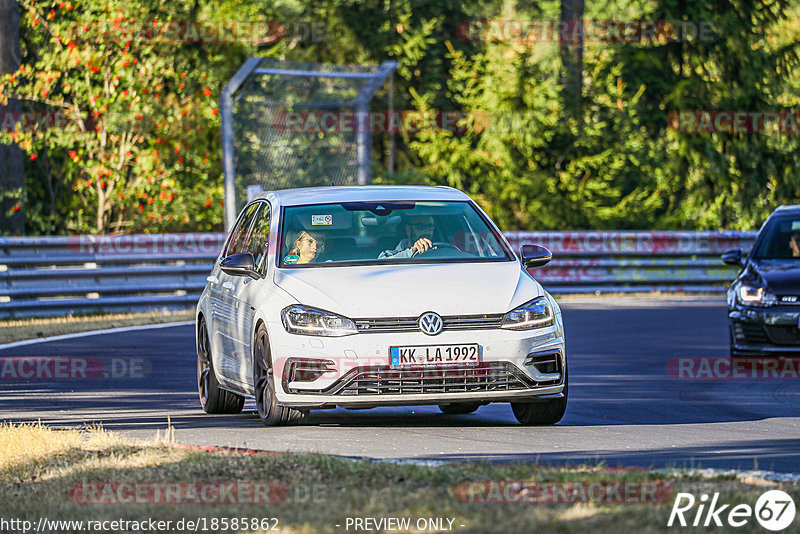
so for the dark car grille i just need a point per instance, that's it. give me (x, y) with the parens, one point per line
(750, 333)
(410, 324)
(784, 334)
(385, 380)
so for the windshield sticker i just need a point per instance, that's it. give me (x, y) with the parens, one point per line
(795, 225)
(321, 220)
(291, 258)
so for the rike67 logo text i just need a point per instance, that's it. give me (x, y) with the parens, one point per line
(774, 510)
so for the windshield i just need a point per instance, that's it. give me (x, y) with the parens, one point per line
(387, 232)
(781, 240)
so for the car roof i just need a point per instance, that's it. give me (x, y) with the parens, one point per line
(791, 209)
(365, 193)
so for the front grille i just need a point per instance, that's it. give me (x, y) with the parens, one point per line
(750, 333)
(410, 324)
(385, 380)
(789, 299)
(784, 334)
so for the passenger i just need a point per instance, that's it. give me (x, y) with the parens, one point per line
(419, 239)
(305, 250)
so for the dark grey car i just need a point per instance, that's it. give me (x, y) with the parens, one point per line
(764, 300)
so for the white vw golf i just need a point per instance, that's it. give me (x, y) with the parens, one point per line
(366, 296)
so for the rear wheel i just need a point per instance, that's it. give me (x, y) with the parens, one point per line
(270, 413)
(541, 413)
(213, 399)
(460, 408)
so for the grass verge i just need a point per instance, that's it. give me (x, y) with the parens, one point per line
(19, 329)
(62, 475)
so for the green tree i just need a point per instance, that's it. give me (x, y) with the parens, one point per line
(137, 85)
(747, 62)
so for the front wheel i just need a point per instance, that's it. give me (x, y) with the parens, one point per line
(542, 413)
(270, 413)
(213, 399)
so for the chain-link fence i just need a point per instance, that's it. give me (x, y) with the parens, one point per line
(288, 124)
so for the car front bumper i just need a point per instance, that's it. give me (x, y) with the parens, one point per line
(515, 366)
(765, 331)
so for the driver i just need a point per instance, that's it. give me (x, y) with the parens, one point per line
(794, 244)
(419, 239)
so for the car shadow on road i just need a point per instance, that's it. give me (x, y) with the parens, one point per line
(593, 402)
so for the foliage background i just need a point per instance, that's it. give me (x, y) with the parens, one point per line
(143, 151)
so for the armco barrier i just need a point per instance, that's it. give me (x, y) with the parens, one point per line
(627, 261)
(85, 274)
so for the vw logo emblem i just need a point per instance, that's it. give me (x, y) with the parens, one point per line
(430, 323)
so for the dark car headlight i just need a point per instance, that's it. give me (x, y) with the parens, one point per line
(752, 295)
(537, 313)
(299, 319)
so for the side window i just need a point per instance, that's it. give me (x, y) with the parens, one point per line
(240, 233)
(259, 239)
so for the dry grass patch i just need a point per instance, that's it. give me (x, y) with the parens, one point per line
(312, 493)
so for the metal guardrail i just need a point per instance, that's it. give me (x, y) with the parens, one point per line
(629, 261)
(87, 274)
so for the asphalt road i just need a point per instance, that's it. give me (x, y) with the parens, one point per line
(625, 408)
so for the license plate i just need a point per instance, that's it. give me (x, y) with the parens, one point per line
(435, 354)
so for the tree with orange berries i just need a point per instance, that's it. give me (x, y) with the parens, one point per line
(121, 124)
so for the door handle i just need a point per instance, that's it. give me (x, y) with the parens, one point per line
(213, 279)
(227, 285)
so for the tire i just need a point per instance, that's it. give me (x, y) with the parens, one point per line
(213, 399)
(460, 408)
(542, 413)
(270, 413)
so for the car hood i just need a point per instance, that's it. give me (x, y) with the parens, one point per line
(410, 290)
(781, 276)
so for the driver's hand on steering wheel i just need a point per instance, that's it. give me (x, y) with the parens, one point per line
(423, 244)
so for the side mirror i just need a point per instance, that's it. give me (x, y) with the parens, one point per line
(733, 257)
(240, 265)
(535, 255)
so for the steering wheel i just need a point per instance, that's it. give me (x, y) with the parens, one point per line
(435, 245)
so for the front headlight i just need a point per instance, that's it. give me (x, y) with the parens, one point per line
(755, 296)
(310, 321)
(537, 313)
